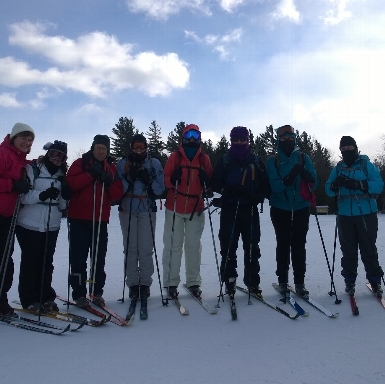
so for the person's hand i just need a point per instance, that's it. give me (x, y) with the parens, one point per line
(106, 179)
(21, 186)
(339, 181)
(95, 170)
(50, 193)
(208, 193)
(176, 175)
(295, 171)
(144, 176)
(353, 184)
(306, 176)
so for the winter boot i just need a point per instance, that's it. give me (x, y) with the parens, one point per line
(6, 309)
(98, 300)
(134, 292)
(195, 291)
(255, 290)
(81, 302)
(350, 287)
(282, 288)
(230, 286)
(173, 291)
(301, 290)
(376, 288)
(144, 291)
(34, 307)
(50, 305)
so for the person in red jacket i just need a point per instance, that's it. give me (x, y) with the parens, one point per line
(13, 152)
(187, 176)
(94, 186)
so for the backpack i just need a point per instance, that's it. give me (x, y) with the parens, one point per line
(363, 166)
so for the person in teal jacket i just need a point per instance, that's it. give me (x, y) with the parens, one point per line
(288, 170)
(355, 182)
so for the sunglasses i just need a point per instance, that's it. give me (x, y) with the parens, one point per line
(137, 146)
(239, 139)
(284, 129)
(196, 135)
(59, 156)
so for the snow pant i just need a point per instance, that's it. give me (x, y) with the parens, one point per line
(290, 231)
(80, 245)
(359, 232)
(140, 266)
(176, 232)
(232, 225)
(6, 273)
(36, 248)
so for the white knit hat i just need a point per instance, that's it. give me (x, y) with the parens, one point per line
(20, 127)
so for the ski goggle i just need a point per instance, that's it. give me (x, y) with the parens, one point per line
(196, 135)
(281, 131)
(238, 139)
(59, 156)
(137, 146)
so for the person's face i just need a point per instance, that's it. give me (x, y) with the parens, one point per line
(23, 143)
(100, 152)
(138, 147)
(238, 140)
(347, 148)
(285, 138)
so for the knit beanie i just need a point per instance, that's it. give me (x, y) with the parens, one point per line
(19, 128)
(101, 139)
(346, 141)
(138, 138)
(239, 132)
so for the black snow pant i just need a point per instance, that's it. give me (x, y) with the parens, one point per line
(33, 252)
(232, 225)
(5, 225)
(80, 246)
(290, 231)
(359, 232)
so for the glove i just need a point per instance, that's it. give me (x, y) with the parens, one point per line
(133, 173)
(208, 194)
(106, 179)
(50, 193)
(295, 171)
(21, 186)
(95, 170)
(176, 175)
(66, 192)
(338, 182)
(355, 184)
(204, 178)
(306, 176)
(144, 176)
(237, 191)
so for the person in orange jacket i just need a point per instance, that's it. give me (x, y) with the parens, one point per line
(94, 186)
(187, 176)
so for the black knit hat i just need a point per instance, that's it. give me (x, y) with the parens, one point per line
(101, 139)
(346, 141)
(138, 138)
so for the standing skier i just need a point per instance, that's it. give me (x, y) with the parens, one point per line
(38, 226)
(13, 152)
(187, 176)
(355, 181)
(93, 185)
(240, 177)
(143, 180)
(289, 212)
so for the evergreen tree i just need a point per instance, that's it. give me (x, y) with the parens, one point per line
(155, 144)
(265, 144)
(208, 148)
(174, 137)
(124, 131)
(221, 149)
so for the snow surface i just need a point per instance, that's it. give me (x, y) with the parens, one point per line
(262, 346)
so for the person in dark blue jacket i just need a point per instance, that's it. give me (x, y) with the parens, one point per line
(289, 211)
(240, 177)
(355, 181)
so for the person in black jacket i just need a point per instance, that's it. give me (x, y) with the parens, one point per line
(240, 177)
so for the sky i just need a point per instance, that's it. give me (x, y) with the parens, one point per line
(261, 346)
(72, 69)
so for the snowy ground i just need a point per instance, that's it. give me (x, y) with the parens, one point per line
(262, 346)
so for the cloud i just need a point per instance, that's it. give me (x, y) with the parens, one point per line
(94, 64)
(8, 100)
(286, 10)
(229, 5)
(335, 16)
(162, 9)
(219, 43)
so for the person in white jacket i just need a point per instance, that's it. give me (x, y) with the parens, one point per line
(38, 226)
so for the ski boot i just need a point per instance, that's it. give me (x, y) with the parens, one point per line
(195, 291)
(301, 290)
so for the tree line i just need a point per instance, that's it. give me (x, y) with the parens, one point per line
(264, 145)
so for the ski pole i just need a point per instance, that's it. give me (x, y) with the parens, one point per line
(92, 237)
(45, 254)
(126, 251)
(331, 293)
(251, 229)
